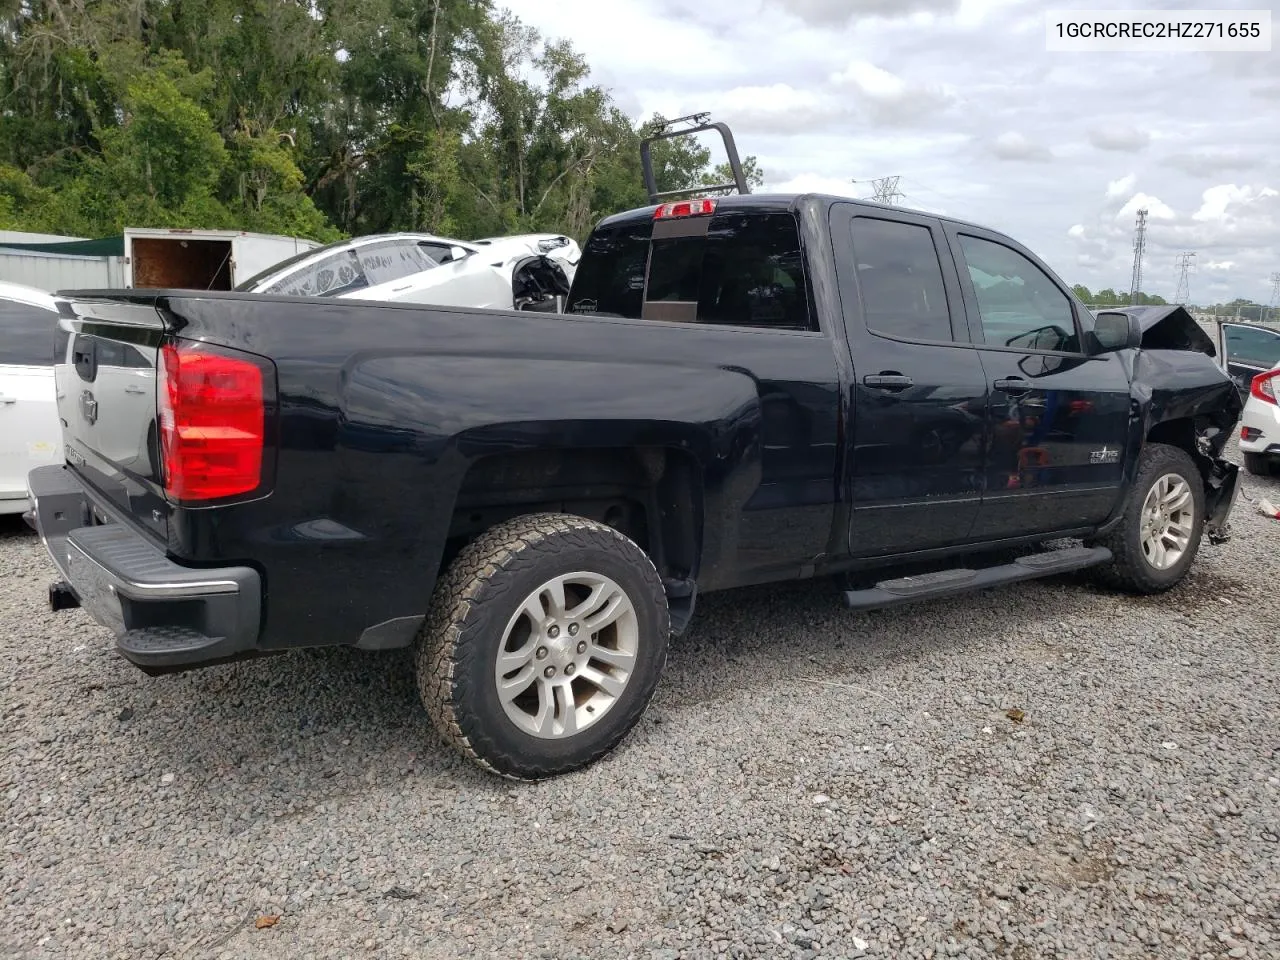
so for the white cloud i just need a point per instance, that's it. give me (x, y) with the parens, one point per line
(1219, 264)
(1121, 187)
(837, 12)
(887, 96)
(812, 183)
(959, 98)
(1119, 139)
(1015, 146)
(1218, 199)
(1211, 162)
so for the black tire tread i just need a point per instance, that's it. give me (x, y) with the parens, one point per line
(442, 642)
(1128, 569)
(1257, 464)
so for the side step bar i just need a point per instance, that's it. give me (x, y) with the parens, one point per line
(946, 583)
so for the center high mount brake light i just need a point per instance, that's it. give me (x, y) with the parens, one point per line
(685, 208)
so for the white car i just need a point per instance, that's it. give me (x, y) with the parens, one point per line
(525, 272)
(1260, 423)
(30, 432)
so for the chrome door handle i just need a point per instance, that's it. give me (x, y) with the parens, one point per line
(1014, 385)
(888, 381)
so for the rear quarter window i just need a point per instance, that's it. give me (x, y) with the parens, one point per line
(27, 334)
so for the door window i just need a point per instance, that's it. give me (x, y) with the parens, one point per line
(27, 334)
(1252, 346)
(900, 280)
(328, 277)
(439, 252)
(1020, 306)
(385, 262)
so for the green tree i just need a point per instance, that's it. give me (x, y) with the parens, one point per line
(315, 119)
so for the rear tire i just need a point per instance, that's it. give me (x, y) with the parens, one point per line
(578, 615)
(1258, 464)
(1156, 542)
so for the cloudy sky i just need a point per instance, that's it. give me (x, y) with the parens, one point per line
(961, 99)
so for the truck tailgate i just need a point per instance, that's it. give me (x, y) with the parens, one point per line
(105, 372)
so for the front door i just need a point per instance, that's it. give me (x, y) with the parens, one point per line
(919, 395)
(1249, 351)
(1057, 419)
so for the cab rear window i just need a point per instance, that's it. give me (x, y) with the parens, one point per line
(746, 270)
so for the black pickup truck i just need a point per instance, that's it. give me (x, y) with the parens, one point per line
(740, 390)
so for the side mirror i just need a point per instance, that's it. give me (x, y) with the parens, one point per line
(1116, 331)
(457, 253)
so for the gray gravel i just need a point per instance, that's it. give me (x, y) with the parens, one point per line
(809, 783)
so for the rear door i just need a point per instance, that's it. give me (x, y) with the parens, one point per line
(28, 410)
(1057, 419)
(920, 392)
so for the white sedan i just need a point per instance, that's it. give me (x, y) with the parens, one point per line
(531, 271)
(1260, 423)
(30, 433)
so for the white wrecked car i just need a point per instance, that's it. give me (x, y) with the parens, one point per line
(526, 272)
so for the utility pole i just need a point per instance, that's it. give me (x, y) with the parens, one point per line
(886, 189)
(1184, 280)
(1274, 302)
(1139, 248)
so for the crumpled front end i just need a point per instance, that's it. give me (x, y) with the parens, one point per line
(1187, 399)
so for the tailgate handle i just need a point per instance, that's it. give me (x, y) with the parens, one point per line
(7, 400)
(1013, 385)
(887, 380)
(132, 388)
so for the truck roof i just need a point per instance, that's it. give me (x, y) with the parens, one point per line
(788, 201)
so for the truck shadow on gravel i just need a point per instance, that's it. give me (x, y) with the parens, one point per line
(282, 734)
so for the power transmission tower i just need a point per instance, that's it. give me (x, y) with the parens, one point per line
(1139, 248)
(886, 189)
(1274, 302)
(1184, 279)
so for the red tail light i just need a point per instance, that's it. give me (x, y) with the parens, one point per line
(685, 208)
(212, 417)
(1264, 386)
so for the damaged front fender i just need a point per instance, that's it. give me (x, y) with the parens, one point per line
(1184, 398)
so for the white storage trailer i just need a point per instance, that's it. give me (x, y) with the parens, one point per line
(202, 259)
(141, 257)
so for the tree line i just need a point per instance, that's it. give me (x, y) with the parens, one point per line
(1107, 297)
(313, 118)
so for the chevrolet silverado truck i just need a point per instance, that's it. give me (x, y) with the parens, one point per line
(741, 390)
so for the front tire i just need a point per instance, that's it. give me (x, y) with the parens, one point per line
(543, 645)
(1258, 464)
(1156, 542)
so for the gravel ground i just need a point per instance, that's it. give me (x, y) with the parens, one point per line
(810, 782)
